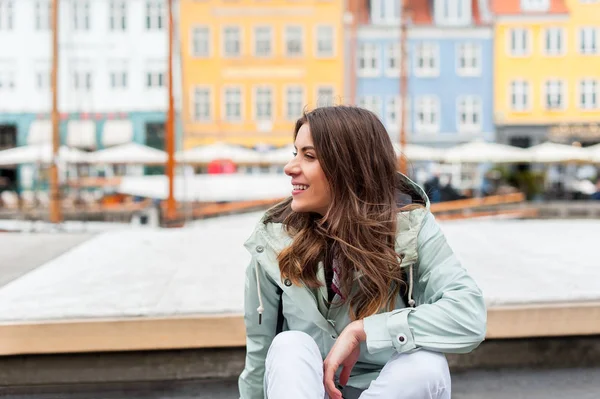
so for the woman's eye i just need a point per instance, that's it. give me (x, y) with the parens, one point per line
(309, 156)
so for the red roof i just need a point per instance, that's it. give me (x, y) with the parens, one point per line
(513, 7)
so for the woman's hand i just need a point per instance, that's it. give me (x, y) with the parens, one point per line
(344, 353)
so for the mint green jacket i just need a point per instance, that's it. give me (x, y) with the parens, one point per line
(449, 314)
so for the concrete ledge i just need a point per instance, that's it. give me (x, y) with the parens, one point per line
(222, 331)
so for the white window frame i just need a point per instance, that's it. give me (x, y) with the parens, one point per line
(259, 41)
(196, 44)
(371, 103)
(155, 79)
(393, 106)
(588, 35)
(232, 118)
(469, 51)
(522, 42)
(393, 53)
(554, 88)
(471, 106)
(197, 115)
(226, 38)
(329, 52)
(556, 36)
(319, 97)
(429, 52)
(289, 115)
(117, 15)
(368, 63)
(43, 15)
(155, 15)
(385, 12)
(432, 104)
(82, 80)
(291, 30)
(535, 5)
(521, 90)
(259, 95)
(453, 12)
(7, 79)
(42, 79)
(586, 94)
(7, 15)
(119, 78)
(80, 13)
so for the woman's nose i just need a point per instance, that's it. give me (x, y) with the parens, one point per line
(291, 168)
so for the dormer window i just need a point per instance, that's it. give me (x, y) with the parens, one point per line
(535, 5)
(453, 12)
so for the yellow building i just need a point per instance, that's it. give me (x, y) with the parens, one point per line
(547, 71)
(250, 67)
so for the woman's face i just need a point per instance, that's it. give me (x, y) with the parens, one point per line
(311, 191)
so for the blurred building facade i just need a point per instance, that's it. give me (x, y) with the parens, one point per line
(250, 68)
(112, 71)
(547, 71)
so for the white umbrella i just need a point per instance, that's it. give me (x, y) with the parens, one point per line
(130, 153)
(481, 152)
(212, 152)
(41, 154)
(555, 153)
(594, 153)
(280, 156)
(419, 152)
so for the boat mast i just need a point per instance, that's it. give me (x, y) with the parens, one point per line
(55, 200)
(170, 128)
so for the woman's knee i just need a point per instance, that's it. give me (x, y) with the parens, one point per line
(427, 372)
(293, 342)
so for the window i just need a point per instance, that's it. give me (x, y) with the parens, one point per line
(43, 14)
(588, 94)
(588, 40)
(201, 41)
(42, 79)
(263, 98)
(82, 80)
(368, 59)
(201, 111)
(426, 59)
(589, 1)
(6, 14)
(393, 111)
(154, 14)
(118, 79)
(324, 96)
(553, 41)
(294, 102)
(535, 5)
(427, 114)
(385, 12)
(233, 104)
(7, 80)
(519, 41)
(519, 95)
(262, 41)
(81, 15)
(554, 98)
(453, 12)
(293, 41)
(469, 114)
(392, 60)
(231, 41)
(372, 103)
(155, 79)
(325, 41)
(469, 59)
(118, 15)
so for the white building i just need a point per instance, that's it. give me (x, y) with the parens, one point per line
(112, 71)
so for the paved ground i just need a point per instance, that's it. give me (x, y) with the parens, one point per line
(507, 384)
(23, 252)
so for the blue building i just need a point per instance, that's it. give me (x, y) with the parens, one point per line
(450, 70)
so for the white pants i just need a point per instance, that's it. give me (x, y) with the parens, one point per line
(294, 370)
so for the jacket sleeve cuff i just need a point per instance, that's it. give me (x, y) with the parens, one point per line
(389, 330)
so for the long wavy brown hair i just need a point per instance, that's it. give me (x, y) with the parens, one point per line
(359, 227)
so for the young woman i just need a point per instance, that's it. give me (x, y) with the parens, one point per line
(356, 272)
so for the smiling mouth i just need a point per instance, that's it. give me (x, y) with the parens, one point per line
(299, 187)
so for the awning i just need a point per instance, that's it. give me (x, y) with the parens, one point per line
(117, 132)
(40, 132)
(81, 134)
